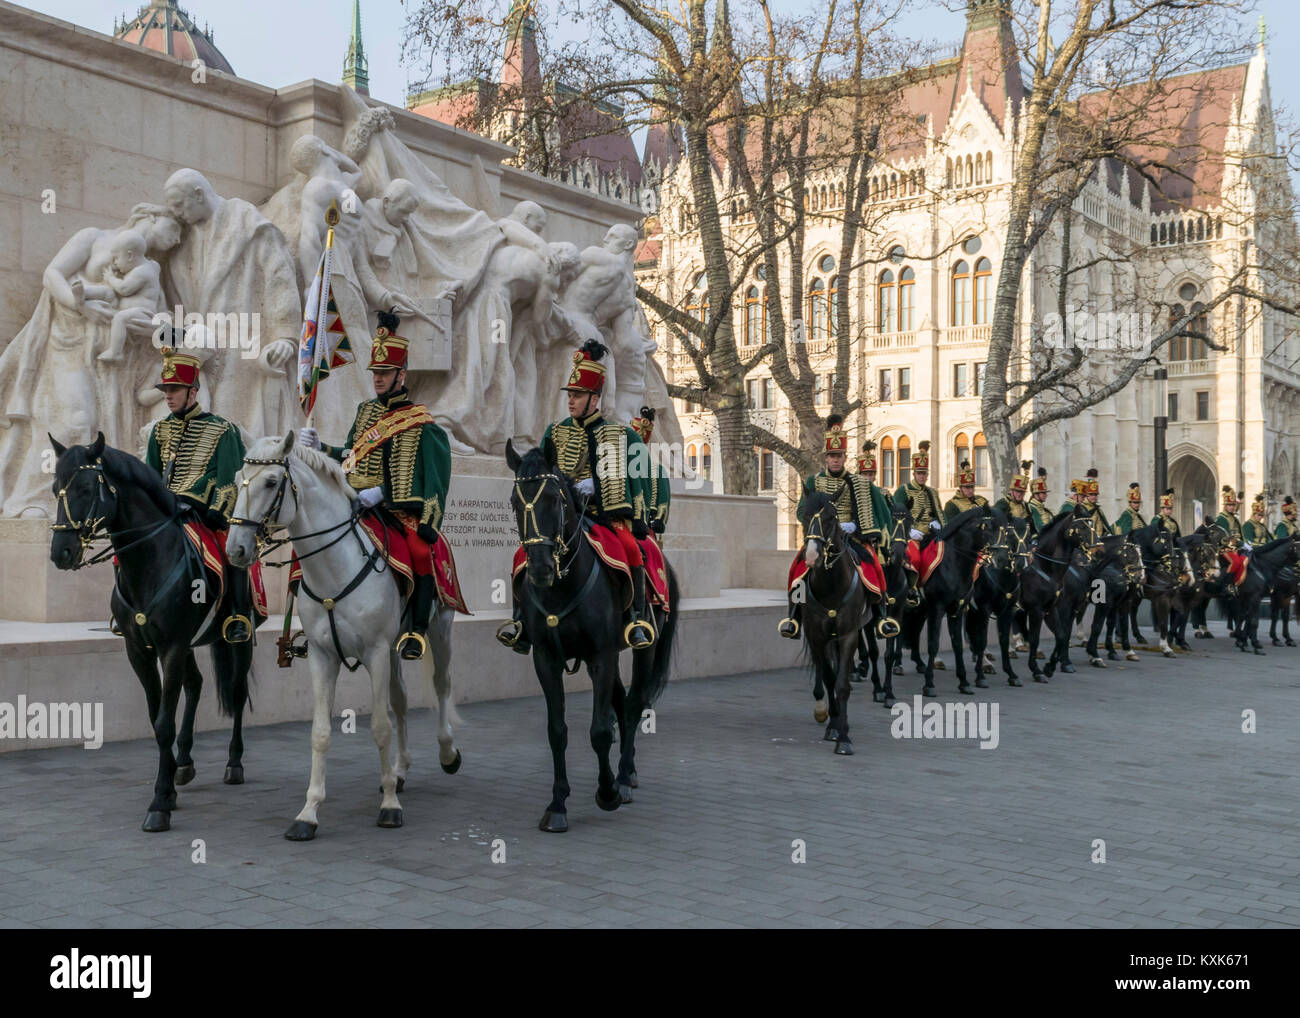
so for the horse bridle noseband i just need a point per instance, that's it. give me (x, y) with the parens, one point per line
(815, 533)
(93, 528)
(560, 549)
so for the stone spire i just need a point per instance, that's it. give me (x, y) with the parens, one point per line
(355, 66)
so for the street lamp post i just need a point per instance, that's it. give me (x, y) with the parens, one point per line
(1161, 430)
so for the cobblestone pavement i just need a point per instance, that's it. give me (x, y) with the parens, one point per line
(1198, 818)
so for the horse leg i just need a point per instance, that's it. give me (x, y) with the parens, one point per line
(603, 671)
(231, 664)
(827, 665)
(449, 758)
(550, 674)
(397, 697)
(164, 730)
(1286, 621)
(626, 736)
(843, 688)
(192, 684)
(324, 668)
(977, 633)
(1034, 617)
(820, 711)
(379, 663)
(1100, 616)
(954, 634)
(933, 613)
(1133, 612)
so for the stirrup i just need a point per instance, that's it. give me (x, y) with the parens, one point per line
(112, 626)
(405, 654)
(633, 626)
(243, 620)
(794, 634)
(510, 632)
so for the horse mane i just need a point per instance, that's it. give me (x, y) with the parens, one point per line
(135, 473)
(1051, 534)
(316, 460)
(817, 501)
(534, 464)
(957, 522)
(1271, 546)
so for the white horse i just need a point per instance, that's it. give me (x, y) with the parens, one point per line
(349, 606)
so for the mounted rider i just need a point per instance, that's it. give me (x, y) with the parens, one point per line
(1131, 518)
(1288, 527)
(1013, 505)
(920, 500)
(658, 495)
(965, 498)
(603, 462)
(1039, 512)
(1167, 514)
(198, 455)
(861, 507)
(1255, 530)
(1087, 508)
(1227, 520)
(398, 460)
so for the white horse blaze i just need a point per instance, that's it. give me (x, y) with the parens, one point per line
(367, 620)
(810, 552)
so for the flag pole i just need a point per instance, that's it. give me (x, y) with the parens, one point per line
(331, 220)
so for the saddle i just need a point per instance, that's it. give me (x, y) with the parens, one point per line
(865, 559)
(924, 560)
(605, 543)
(1237, 565)
(211, 546)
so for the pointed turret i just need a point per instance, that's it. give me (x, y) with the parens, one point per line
(355, 67)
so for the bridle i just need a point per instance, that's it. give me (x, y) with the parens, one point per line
(532, 531)
(270, 523)
(93, 527)
(816, 532)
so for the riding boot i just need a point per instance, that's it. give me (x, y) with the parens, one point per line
(412, 644)
(790, 625)
(640, 632)
(511, 634)
(238, 627)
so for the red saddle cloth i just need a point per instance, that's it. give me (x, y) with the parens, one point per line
(408, 557)
(211, 545)
(610, 549)
(1237, 564)
(870, 570)
(924, 560)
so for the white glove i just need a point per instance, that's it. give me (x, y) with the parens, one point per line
(1245, 546)
(915, 535)
(587, 486)
(936, 525)
(371, 496)
(309, 438)
(848, 527)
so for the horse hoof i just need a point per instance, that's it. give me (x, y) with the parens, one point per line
(1112, 655)
(938, 663)
(1013, 681)
(554, 823)
(928, 691)
(1041, 678)
(855, 678)
(300, 830)
(820, 713)
(1096, 662)
(1290, 642)
(1166, 653)
(831, 735)
(450, 768)
(1276, 643)
(1259, 652)
(1013, 655)
(843, 748)
(632, 780)
(389, 818)
(624, 793)
(964, 688)
(989, 669)
(157, 821)
(234, 775)
(184, 774)
(1069, 669)
(888, 702)
(1132, 656)
(608, 805)
(877, 697)
(1041, 655)
(981, 682)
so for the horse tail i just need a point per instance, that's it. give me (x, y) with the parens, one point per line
(658, 680)
(234, 683)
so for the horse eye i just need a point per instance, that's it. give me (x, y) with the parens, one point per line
(269, 483)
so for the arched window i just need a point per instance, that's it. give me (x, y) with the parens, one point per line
(948, 182)
(706, 462)
(697, 300)
(816, 310)
(893, 185)
(983, 292)
(960, 452)
(833, 302)
(841, 205)
(692, 458)
(906, 302)
(754, 324)
(825, 200)
(904, 459)
(1186, 347)
(887, 462)
(970, 172)
(979, 169)
(956, 173)
(981, 448)
(988, 167)
(885, 302)
(960, 311)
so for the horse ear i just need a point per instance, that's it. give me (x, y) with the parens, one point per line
(548, 449)
(97, 447)
(287, 443)
(59, 450)
(512, 457)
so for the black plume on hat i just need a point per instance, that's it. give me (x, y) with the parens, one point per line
(1133, 485)
(1042, 471)
(1026, 464)
(594, 349)
(389, 321)
(1288, 501)
(833, 420)
(648, 412)
(868, 445)
(1092, 472)
(1169, 491)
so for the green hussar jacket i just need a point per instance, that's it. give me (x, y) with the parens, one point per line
(958, 504)
(603, 451)
(1171, 525)
(1129, 520)
(1255, 532)
(921, 503)
(658, 497)
(1039, 514)
(1229, 524)
(856, 499)
(1285, 529)
(413, 467)
(198, 455)
(1016, 511)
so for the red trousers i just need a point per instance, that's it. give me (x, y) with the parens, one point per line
(623, 529)
(421, 550)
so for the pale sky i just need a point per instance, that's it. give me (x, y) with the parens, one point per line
(281, 42)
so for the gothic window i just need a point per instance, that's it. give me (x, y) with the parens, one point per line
(960, 309)
(885, 301)
(816, 310)
(983, 292)
(906, 301)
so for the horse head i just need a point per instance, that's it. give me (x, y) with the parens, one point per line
(86, 501)
(899, 529)
(545, 513)
(267, 497)
(821, 527)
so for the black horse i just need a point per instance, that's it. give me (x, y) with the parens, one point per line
(996, 594)
(573, 610)
(1040, 584)
(1157, 549)
(102, 490)
(1280, 599)
(1266, 561)
(1119, 568)
(1197, 559)
(946, 590)
(836, 607)
(898, 586)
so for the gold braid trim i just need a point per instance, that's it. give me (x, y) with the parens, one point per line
(611, 448)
